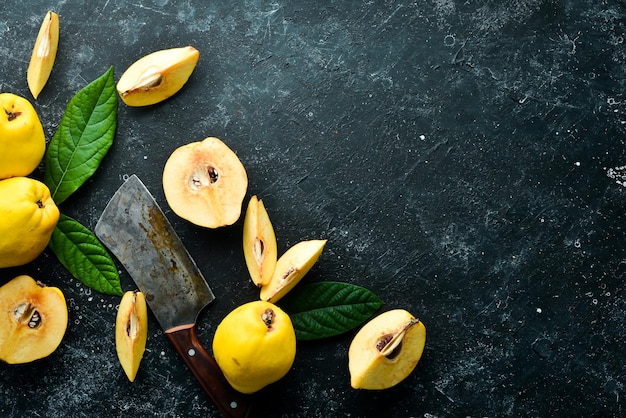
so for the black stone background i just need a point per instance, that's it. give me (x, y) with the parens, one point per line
(464, 159)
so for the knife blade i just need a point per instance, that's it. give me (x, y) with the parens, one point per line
(137, 232)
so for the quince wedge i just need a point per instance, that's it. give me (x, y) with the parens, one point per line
(254, 345)
(205, 183)
(28, 216)
(33, 320)
(291, 267)
(259, 242)
(386, 350)
(131, 332)
(22, 139)
(44, 54)
(157, 76)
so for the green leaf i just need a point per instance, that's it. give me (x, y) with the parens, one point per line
(84, 256)
(325, 309)
(83, 137)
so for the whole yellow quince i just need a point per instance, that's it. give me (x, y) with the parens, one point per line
(28, 217)
(22, 140)
(254, 345)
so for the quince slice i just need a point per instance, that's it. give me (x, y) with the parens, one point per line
(205, 183)
(33, 320)
(291, 267)
(44, 54)
(131, 332)
(157, 76)
(259, 243)
(386, 350)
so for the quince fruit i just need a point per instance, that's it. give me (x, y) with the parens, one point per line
(22, 140)
(44, 54)
(33, 320)
(254, 345)
(259, 243)
(157, 76)
(205, 183)
(291, 267)
(386, 350)
(28, 217)
(131, 332)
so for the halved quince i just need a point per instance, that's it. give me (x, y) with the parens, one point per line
(131, 332)
(291, 268)
(205, 183)
(386, 350)
(157, 76)
(259, 243)
(33, 320)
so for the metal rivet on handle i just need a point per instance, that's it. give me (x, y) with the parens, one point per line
(233, 404)
(191, 352)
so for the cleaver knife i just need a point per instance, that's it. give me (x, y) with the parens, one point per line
(137, 232)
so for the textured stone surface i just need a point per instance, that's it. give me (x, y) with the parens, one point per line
(465, 160)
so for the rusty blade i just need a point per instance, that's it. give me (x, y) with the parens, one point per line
(135, 229)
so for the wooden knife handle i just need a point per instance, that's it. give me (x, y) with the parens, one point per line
(231, 403)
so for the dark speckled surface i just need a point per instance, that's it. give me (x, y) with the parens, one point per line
(465, 160)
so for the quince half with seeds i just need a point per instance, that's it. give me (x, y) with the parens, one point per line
(386, 350)
(157, 76)
(33, 320)
(205, 183)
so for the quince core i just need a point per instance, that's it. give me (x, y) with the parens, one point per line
(386, 350)
(205, 183)
(33, 320)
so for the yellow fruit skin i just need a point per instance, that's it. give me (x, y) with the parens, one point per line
(28, 217)
(131, 332)
(46, 307)
(250, 354)
(22, 140)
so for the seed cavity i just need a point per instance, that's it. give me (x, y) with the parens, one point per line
(258, 249)
(390, 345)
(151, 78)
(289, 274)
(213, 174)
(26, 313)
(132, 325)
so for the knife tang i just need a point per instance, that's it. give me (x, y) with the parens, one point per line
(231, 403)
